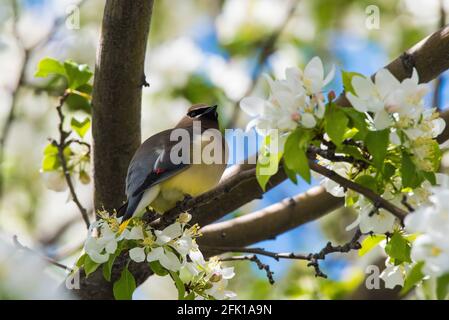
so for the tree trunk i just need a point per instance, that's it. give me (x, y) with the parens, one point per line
(117, 95)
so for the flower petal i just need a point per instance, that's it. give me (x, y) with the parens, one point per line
(382, 120)
(252, 106)
(385, 82)
(363, 87)
(170, 261)
(155, 254)
(357, 103)
(137, 254)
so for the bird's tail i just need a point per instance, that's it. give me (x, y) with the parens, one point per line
(122, 210)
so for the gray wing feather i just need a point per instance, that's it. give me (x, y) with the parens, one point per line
(151, 155)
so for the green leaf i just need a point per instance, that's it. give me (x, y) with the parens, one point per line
(347, 80)
(430, 176)
(295, 157)
(389, 171)
(48, 66)
(358, 121)
(90, 266)
(107, 267)
(124, 286)
(179, 285)
(80, 127)
(79, 102)
(50, 163)
(414, 276)
(369, 243)
(367, 181)
(291, 174)
(409, 172)
(352, 151)
(158, 269)
(51, 160)
(79, 263)
(190, 296)
(377, 144)
(442, 286)
(335, 123)
(77, 74)
(398, 248)
(267, 163)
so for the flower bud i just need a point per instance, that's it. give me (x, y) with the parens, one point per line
(184, 217)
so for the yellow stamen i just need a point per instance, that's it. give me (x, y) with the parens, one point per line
(123, 226)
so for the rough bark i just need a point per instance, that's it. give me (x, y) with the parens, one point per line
(117, 94)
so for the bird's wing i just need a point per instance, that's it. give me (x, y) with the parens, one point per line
(150, 165)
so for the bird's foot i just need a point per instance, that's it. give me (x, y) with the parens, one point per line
(150, 215)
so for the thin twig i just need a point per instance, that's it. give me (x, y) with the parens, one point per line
(404, 201)
(256, 260)
(313, 258)
(376, 199)
(47, 259)
(61, 145)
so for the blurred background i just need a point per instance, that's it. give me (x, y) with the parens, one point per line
(199, 51)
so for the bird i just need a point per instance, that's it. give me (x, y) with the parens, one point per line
(154, 181)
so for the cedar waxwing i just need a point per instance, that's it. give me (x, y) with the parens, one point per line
(155, 181)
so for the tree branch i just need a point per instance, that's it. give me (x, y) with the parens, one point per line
(271, 221)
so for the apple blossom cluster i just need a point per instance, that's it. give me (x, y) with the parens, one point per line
(386, 143)
(399, 107)
(172, 251)
(294, 101)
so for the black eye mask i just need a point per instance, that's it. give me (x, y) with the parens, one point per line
(197, 112)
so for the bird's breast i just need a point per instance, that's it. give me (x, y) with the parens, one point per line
(195, 180)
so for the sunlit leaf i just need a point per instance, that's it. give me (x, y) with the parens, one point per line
(50, 66)
(124, 286)
(369, 243)
(80, 127)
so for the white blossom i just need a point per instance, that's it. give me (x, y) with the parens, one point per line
(294, 101)
(99, 248)
(392, 275)
(431, 223)
(166, 258)
(388, 99)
